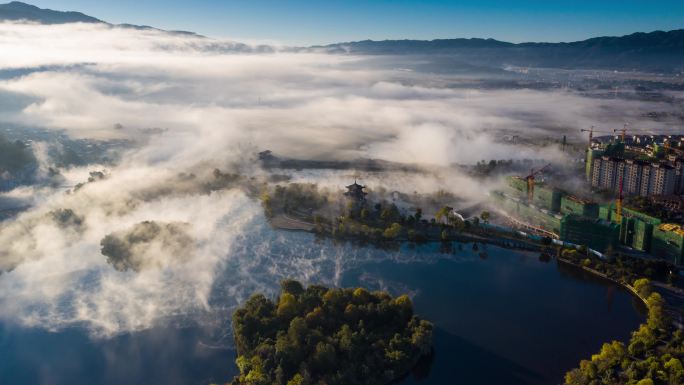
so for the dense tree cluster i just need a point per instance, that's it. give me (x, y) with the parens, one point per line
(92, 178)
(484, 168)
(653, 356)
(296, 199)
(67, 218)
(299, 197)
(14, 156)
(624, 268)
(317, 336)
(384, 221)
(222, 180)
(148, 244)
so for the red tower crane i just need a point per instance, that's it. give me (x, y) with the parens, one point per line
(531, 180)
(618, 205)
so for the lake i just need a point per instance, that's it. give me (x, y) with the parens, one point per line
(501, 316)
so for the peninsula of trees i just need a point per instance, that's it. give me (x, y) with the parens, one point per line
(317, 335)
(653, 355)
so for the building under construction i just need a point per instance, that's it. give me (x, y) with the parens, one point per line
(518, 208)
(582, 221)
(636, 227)
(648, 233)
(573, 219)
(570, 204)
(594, 233)
(668, 242)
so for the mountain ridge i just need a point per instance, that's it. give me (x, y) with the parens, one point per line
(670, 39)
(656, 51)
(660, 51)
(17, 10)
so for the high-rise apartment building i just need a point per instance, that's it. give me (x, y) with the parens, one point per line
(638, 177)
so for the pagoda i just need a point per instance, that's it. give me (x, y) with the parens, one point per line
(355, 192)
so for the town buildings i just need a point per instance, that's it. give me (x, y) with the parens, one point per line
(638, 177)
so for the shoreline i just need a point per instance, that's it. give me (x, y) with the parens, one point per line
(498, 240)
(604, 276)
(288, 223)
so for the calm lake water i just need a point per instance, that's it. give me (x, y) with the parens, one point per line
(503, 318)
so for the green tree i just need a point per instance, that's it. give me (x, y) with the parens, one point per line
(266, 203)
(324, 357)
(291, 286)
(443, 214)
(656, 316)
(296, 380)
(457, 223)
(422, 337)
(393, 231)
(287, 306)
(643, 287)
(645, 381)
(445, 235)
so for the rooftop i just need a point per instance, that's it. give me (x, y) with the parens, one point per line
(672, 228)
(578, 199)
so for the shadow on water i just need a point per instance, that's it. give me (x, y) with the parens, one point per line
(456, 361)
(579, 274)
(505, 317)
(160, 356)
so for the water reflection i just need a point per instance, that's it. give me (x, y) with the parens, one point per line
(501, 316)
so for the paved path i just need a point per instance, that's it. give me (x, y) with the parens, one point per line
(286, 222)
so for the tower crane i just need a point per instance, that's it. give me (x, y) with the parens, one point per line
(531, 180)
(591, 132)
(618, 204)
(623, 132)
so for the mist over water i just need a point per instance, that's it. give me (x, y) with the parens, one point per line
(465, 295)
(188, 105)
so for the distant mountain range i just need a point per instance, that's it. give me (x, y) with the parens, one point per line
(655, 51)
(17, 11)
(21, 11)
(654, 42)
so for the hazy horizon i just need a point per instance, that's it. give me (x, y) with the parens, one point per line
(313, 23)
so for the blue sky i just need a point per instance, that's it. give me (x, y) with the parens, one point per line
(327, 21)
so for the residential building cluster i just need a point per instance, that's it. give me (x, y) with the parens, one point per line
(637, 177)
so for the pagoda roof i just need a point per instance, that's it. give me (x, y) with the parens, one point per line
(355, 186)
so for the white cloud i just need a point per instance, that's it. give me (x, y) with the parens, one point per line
(218, 106)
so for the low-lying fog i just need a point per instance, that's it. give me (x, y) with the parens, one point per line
(190, 105)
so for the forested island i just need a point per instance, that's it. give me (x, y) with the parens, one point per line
(318, 335)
